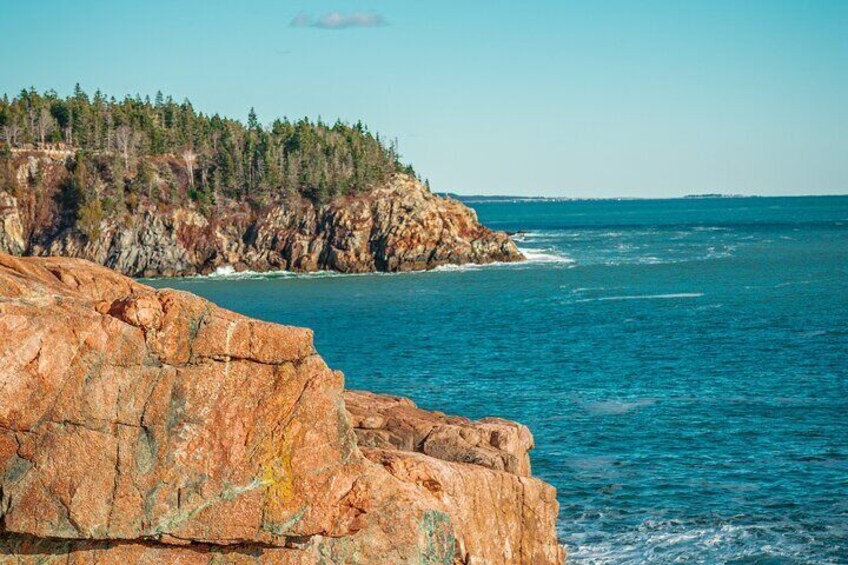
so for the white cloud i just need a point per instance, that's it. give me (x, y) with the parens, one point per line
(339, 20)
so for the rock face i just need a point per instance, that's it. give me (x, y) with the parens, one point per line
(11, 226)
(392, 422)
(398, 227)
(142, 425)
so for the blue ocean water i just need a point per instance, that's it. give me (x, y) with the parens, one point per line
(683, 365)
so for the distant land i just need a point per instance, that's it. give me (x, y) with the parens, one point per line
(719, 195)
(470, 198)
(483, 198)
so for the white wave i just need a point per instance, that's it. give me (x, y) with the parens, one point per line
(715, 253)
(628, 259)
(224, 271)
(710, 228)
(790, 283)
(543, 235)
(545, 256)
(531, 256)
(464, 268)
(644, 297)
(227, 272)
(672, 541)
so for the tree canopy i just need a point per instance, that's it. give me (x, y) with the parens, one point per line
(127, 140)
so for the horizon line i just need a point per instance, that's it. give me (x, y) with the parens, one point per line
(694, 196)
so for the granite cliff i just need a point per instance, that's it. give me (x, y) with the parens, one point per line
(396, 226)
(150, 426)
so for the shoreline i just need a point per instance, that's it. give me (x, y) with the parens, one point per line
(531, 257)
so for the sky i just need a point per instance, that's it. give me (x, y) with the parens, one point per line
(544, 97)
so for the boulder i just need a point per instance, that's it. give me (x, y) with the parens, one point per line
(394, 422)
(142, 425)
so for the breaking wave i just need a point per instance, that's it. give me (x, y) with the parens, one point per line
(670, 541)
(545, 256)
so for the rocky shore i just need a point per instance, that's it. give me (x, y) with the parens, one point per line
(400, 226)
(142, 425)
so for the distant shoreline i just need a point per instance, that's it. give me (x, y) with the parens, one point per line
(481, 198)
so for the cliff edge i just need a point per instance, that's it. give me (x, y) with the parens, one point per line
(398, 225)
(142, 425)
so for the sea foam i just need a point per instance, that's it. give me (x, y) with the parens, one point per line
(545, 256)
(644, 297)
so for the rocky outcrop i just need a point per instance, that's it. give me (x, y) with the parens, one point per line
(142, 425)
(393, 422)
(401, 226)
(11, 226)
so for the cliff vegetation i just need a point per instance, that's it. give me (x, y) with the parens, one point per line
(170, 152)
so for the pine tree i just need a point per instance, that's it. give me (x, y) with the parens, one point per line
(231, 159)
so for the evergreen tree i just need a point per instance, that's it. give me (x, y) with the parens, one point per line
(170, 152)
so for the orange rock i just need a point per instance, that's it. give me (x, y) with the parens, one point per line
(499, 518)
(147, 426)
(393, 422)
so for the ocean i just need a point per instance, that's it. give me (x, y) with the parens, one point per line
(683, 365)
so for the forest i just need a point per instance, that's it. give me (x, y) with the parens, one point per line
(168, 152)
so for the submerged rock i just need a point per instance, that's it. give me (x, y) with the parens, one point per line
(142, 425)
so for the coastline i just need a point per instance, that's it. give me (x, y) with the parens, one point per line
(227, 272)
(395, 226)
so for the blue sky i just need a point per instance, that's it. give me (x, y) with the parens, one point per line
(595, 98)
